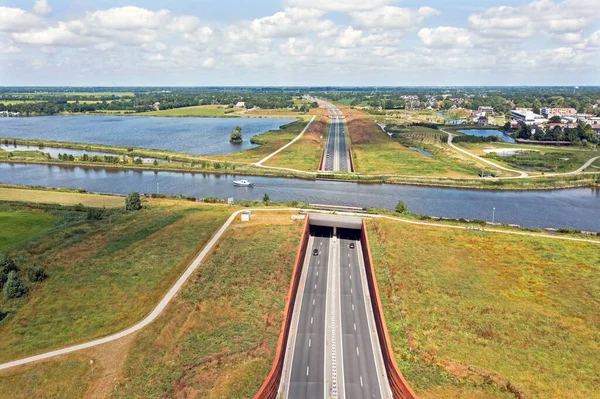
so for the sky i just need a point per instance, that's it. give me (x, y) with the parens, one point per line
(299, 43)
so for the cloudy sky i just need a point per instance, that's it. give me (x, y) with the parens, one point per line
(299, 42)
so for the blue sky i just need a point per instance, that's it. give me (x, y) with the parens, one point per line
(299, 42)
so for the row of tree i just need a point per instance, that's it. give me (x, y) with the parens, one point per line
(581, 135)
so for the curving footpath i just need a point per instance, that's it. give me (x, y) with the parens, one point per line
(194, 265)
(495, 165)
(260, 163)
(150, 318)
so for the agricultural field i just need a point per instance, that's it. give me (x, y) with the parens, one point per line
(190, 350)
(197, 111)
(486, 311)
(105, 272)
(62, 197)
(304, 154)
(419, 134)
(375, 152)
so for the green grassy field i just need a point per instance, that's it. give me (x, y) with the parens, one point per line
(59, 197)
(375, 152)
(542, 158)
(103, 276)
(469, 312)
(304, 154)
(196, 111)
(195, 350)
(18, 226)
(268, 142)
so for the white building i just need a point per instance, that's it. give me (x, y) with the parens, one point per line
(240, 104)
(486, 109)
(528, 117)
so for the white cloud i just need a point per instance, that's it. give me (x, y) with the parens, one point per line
(154, 47)
(338, 5)
(291, 22)
(53, 36)
(389, 17)
(200, 35)
(9, 48)
(445, 37)
(15, 19)
(349, 38)
(127, 18)
(41, 7)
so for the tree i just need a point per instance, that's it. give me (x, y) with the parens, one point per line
(14, 286)
(7, 265)
(401, 207)
(36, 274)
(507, 127)
(524, 131)
(554, 119)
(235, 136)
(266, 199)
(133, 202)
(155, 163)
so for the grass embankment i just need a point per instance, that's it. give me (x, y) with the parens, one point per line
(219, 336)
(62, 197)
(267, 143)
(475, 314)
(17, 226)
(223, 111)
(535, 157)
(304, 154)
(375, 152)
(103, 275)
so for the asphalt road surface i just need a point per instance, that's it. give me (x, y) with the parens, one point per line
(307, 378)
(337, 157)
(360, 371)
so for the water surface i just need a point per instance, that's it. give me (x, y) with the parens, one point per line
(573, 208)
(202, 136)
(487, 133)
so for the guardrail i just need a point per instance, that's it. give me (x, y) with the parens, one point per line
(399, 386)
(270, 388)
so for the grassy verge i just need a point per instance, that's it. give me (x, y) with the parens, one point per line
(218, 338)
(375, 152)
(103, 275)
(485, 315)
(15, 194)
(304, 154)
(197, 111)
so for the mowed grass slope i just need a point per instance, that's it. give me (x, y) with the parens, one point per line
(103, 276)
(60, 197)
(485, 313)
(304, 154)
(17, 226)
(218, 338)
(374, 152)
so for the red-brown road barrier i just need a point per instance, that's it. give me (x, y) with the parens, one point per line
(269, 388)
(398, 384)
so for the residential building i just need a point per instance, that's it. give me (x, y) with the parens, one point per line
(550, 112)
(486, 109)
(240, 104)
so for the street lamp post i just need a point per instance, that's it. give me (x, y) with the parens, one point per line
(493, 214)
(157, 190)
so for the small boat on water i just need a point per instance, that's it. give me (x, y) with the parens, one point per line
(242, 183)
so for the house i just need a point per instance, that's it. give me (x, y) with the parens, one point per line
(240, 104)
(485, 109)
(482, 121)
(550, 112)
(156, 105)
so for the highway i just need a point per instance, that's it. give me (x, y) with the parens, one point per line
(337, 157)
(307, 377)
(333, 349)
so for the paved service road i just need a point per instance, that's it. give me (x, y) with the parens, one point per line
(360, 369)
(307, 378)
(337, 157)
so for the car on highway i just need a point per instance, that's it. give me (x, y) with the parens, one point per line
(351, 245)
(315, 251)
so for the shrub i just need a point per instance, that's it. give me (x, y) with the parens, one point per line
(95, 214)
(36, 274)
(133, 202)
(7, 265)
(266, 199)
(401, 207)
(14, 286)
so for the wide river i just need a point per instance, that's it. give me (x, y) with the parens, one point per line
(573, 208)
(203, 136)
